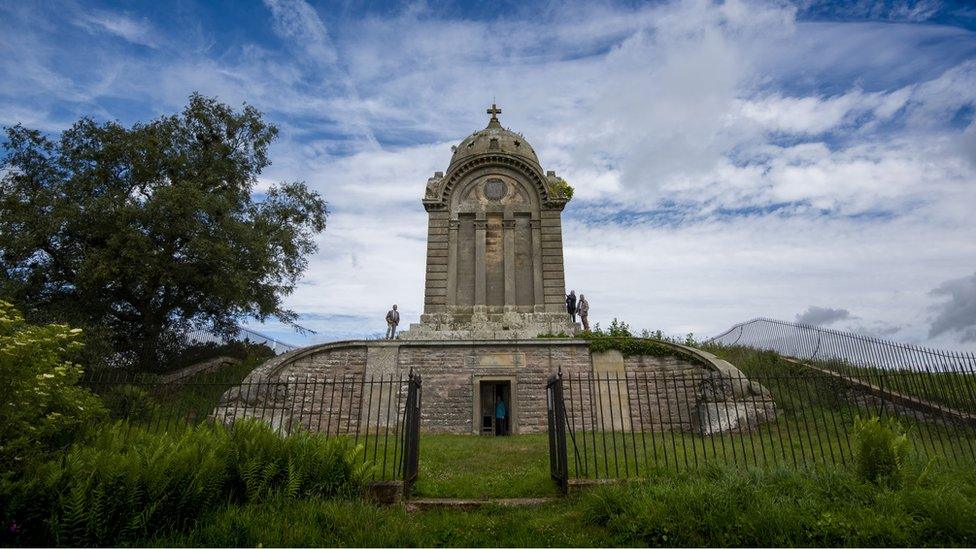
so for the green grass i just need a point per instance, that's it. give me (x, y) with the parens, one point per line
(720, 506)
(359, 524)
(818, 437)
(470, 466)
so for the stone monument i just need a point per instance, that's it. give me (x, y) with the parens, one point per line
(494, 243)
(494, 282)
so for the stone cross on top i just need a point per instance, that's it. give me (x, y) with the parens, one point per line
(494, 112)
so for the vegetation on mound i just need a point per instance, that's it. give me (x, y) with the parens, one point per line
(618, 337)
(720, 506)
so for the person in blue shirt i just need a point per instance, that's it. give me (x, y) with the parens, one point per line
(501, 416)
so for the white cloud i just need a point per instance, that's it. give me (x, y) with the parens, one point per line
(956, 315)
(729, 161)
(120, 25)
(818, 316)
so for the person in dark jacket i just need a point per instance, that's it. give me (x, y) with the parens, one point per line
(571, 305)
(392, 319)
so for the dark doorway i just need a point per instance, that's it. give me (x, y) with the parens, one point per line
(491, 393)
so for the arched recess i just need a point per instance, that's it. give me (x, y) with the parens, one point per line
(494, 253)
(460, 173)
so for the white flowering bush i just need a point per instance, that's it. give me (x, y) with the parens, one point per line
(41, 406)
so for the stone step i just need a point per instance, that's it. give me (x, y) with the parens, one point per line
(423, 504)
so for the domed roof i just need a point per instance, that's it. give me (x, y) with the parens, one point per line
(494, 139)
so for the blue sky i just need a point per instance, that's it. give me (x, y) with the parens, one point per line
(804, 160)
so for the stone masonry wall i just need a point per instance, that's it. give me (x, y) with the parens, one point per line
(650, 393)
(449, 375)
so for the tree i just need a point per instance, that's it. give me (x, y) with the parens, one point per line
(148, 232)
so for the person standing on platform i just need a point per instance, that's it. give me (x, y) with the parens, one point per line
(583, 308)
(571, 305)
(392, 319)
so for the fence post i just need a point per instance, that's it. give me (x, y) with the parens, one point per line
(558, 456)
(411, 439)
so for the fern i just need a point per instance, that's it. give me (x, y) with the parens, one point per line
(123, 484)
(881, 450)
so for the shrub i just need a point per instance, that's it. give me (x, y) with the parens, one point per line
(127, 483)
(130, 402)
(880, 449)
(41, 407)
(619, 328)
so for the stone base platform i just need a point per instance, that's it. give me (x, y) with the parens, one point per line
(689, 391)
(480, 325)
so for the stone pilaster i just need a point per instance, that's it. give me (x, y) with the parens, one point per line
(536, 226)
(508, 244)
(553, 281)
(435, 287)
(452, 246)
(480, 226)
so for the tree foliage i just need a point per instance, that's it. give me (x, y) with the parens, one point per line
(150, 231)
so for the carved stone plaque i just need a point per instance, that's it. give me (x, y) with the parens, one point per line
(495, 189)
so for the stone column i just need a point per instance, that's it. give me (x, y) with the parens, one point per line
(480, 225)
(539, 299)
(452, 256)
(508, 225)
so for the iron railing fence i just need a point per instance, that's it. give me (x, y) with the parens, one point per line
(624, 424)
(816, 343)
(244, 334)
(379, 413)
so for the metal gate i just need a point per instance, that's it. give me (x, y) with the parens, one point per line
(558, 464)
(411, 433)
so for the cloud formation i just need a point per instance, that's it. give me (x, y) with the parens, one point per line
(957, 314)
(819, 316)
(729, 158)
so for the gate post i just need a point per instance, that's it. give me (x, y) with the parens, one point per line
(411, 438)
(558, 456)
